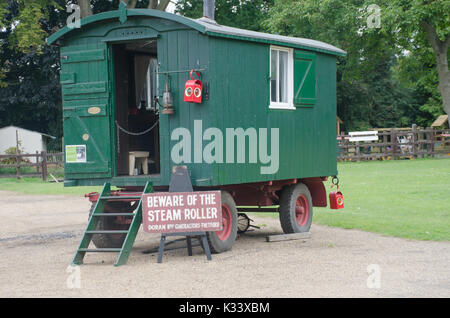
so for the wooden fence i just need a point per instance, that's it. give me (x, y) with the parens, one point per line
(41, 162)
(391, 144)
(396, 144)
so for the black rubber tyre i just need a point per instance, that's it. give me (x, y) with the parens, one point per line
(223, 241)
(109, 223)
(296, 209)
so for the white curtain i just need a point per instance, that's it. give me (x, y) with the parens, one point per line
(141, 63)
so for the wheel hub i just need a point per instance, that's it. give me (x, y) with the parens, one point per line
(301, 210)
(226, 224)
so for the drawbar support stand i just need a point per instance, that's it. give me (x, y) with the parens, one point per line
(181, 182)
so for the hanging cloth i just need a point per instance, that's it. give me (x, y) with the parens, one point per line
(141, 63)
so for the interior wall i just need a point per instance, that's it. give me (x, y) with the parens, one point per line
(122, 78)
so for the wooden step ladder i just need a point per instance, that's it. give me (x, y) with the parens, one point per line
(125, 250)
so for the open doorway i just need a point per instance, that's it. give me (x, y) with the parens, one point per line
(137, 116)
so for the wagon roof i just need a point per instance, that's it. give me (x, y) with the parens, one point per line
(205, 26)
(212, 28)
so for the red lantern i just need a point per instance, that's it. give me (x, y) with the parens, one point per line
(193, 90)
(336, 199)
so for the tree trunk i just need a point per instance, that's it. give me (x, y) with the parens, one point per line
(152, 4)
(444, 88)
(158, 5)
(440, 49)
(163, 5)
(85, 8)
(131, 4)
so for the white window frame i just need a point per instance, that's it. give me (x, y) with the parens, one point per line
(290, 79)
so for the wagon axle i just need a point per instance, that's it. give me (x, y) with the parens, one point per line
(244, 223)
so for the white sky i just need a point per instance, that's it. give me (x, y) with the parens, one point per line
(171, 6)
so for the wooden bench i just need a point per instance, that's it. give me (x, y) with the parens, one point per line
(363, 135)
(357, 136)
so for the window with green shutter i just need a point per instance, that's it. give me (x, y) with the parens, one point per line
(281, 78)
(304, 79)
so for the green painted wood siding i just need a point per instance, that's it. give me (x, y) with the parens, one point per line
(85, 85)
(88, 40)
(240, 86)
(183, 50)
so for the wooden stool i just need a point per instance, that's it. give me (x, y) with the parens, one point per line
(138, 159)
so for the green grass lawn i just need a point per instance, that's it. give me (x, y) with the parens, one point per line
(403, 198)
(57, 172)
(37, 186)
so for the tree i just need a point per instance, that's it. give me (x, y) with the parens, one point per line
(387, 78)
(85, 8)
(29, 69)
(27, 32)
(235, 13)
(368, 95)
(417, 70)
(416, 21)
(155, 4)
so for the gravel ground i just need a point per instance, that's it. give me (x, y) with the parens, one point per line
(39, 235)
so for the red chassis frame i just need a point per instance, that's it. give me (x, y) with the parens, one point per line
(259, 194)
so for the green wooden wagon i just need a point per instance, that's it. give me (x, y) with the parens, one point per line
(119, 130)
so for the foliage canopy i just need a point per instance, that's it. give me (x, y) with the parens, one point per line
(391, 77)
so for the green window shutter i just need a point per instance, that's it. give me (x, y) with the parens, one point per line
(304, 79)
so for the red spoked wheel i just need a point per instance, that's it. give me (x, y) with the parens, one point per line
(222, 241)
(227, 224)
(295, 209)
(302, 210)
